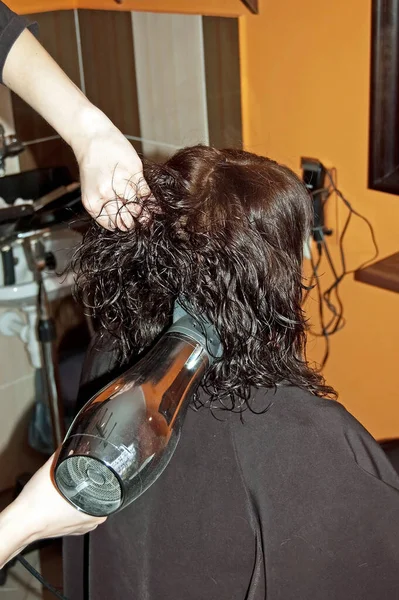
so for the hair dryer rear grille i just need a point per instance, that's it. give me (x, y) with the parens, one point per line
(89, 485)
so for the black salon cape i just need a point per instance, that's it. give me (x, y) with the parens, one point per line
(298, 503)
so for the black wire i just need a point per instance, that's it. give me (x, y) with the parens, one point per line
(346, 272)
(337, 314)
(312, 284)
(336, 308)
(321, 309)
(326, 192)
(362, 217)
(39, 577)
(338, 280)
(337, 317)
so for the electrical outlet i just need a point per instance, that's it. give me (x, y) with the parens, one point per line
(314, 175)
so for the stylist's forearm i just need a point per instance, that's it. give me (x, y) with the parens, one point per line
(111, 172)
(14, 533)
(44, 86)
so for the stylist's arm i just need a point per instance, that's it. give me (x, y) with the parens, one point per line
(40, 512)
(111, 172)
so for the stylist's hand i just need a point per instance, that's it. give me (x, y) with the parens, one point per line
(109, 166)
(111, 173)
(40, 512)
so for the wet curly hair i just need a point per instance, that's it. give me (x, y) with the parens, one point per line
(224, 232)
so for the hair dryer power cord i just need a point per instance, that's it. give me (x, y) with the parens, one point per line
(40, 578)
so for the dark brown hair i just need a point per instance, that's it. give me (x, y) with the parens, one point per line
(225, 234)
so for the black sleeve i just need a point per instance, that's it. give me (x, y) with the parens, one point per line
(11, 27)
(325, 503)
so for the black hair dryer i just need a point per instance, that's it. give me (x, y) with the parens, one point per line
(124, 437)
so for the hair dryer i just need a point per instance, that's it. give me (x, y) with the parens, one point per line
(124, 437)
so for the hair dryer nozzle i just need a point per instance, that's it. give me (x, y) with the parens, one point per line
(90, 485)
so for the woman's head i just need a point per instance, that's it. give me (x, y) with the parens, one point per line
(225, 234)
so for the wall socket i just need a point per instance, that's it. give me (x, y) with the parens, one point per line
(314, 175)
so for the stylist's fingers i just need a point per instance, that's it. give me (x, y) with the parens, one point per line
(142, 187)
(119, 215)
(112, 211)
(127, 203)
(111, 176)
(110, 214)
(116, 202)
(95, 206)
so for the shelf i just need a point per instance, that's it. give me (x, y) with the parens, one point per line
(29, 7)
(221, 8)
(383, 273)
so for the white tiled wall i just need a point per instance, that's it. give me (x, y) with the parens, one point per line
(16, 398)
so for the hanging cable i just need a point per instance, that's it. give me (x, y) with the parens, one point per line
(316, 278)
(330, 298)
(40, 578)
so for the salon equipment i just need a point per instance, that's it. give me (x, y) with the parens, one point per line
(9, 146)
(8, 217)
(59, 192)
(314, 175)
(54, 199)
(125, 436)
(47, 337)
(35, 242)
(18, 286)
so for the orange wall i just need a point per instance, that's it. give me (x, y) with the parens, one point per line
(305, 86)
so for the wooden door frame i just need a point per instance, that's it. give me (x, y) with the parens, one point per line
(383, 167)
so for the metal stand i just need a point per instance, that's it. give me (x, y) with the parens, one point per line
(46, 332)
